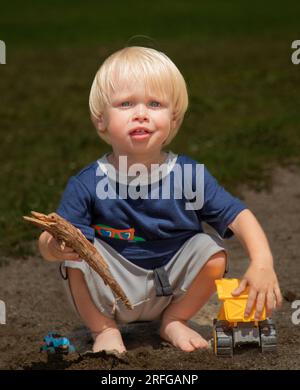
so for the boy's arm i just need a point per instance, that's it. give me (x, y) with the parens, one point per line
(260, 276)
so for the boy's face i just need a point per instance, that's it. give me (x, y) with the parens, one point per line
(136, 122)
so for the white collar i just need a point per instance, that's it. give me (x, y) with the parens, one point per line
(144, 179)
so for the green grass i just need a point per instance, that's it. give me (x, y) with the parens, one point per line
(77, 22)
(244, 92)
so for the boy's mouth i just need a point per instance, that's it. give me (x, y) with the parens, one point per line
(140, 133)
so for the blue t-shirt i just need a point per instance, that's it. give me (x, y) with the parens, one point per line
(148, 219)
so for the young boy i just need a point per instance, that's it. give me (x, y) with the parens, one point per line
(152, 238)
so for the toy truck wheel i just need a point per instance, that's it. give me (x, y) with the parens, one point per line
(268, 337)
(223, 341)
(63, 349)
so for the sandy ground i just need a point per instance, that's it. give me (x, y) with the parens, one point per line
(36, 303)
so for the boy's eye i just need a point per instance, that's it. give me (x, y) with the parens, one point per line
(125, 104)
(154, 104)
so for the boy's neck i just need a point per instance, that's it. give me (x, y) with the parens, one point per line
(160, 158)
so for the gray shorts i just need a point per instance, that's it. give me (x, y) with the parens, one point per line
(140, 285)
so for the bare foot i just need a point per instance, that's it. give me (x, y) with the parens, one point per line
(181, 336)
(109, 339)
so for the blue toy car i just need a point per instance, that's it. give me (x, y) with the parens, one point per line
(55, 343)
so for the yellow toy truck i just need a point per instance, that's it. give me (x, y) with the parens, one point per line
(231, 329)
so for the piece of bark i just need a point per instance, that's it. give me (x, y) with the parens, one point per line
(67, 234)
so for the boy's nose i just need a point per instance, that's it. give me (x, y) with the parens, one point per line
(141, 113)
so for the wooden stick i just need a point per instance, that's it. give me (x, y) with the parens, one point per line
(68, 235)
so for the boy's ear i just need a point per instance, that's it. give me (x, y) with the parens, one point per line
(100, 123)
(173, 121)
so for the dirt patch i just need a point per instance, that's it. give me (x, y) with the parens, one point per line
(36, 303)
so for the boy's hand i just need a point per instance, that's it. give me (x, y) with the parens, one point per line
(263, 289)
(51, 249)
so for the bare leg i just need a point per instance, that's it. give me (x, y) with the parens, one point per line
(174, 328)
(104, 330)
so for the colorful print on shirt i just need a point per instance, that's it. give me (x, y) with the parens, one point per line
(119, 234)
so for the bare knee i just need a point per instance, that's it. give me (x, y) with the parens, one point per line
(216, 265)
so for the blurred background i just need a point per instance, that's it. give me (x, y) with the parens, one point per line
(243, 117)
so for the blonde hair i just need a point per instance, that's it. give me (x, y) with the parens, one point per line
(154, 68)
